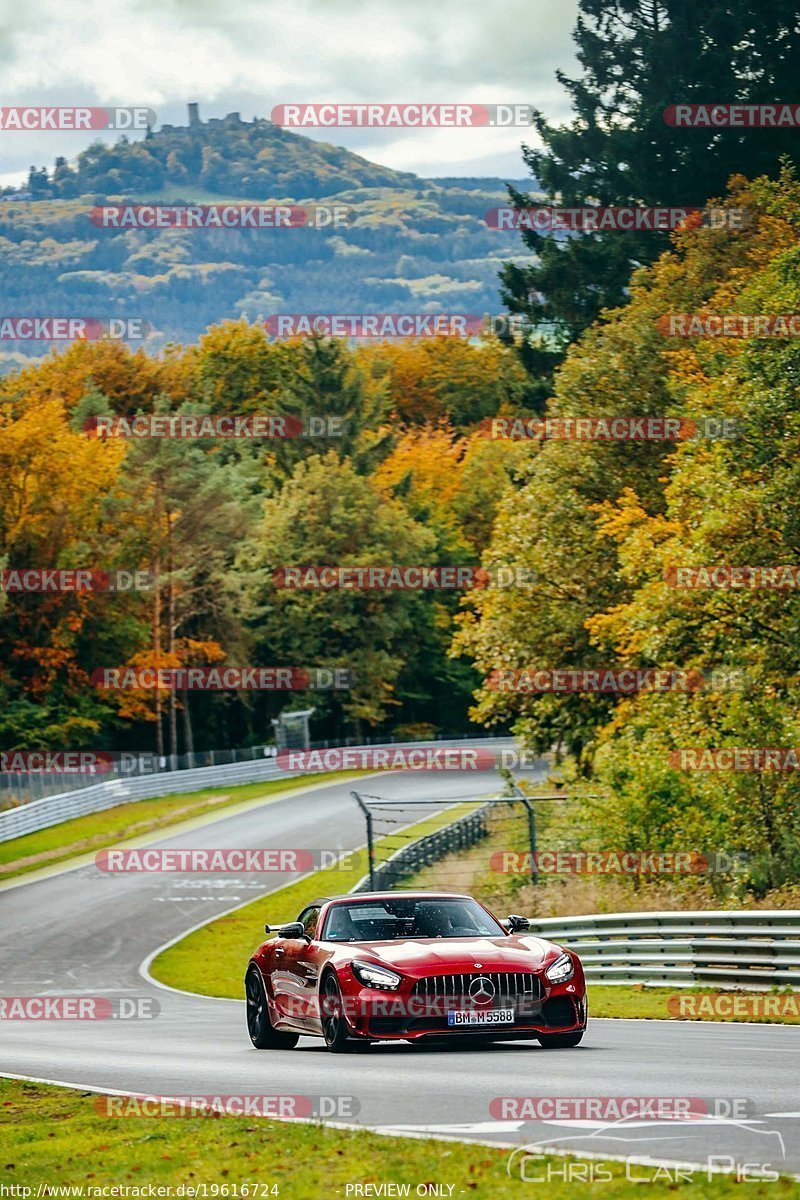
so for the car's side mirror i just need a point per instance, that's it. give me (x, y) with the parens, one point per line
(293, 930)
(516, 923)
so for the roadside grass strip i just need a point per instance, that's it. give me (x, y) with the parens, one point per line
(97, 831)
(54, 1139)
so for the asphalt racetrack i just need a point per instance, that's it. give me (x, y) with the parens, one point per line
(86, 932)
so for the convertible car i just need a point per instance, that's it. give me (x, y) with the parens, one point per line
(419, 966)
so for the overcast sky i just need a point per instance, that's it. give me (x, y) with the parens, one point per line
(248, 55)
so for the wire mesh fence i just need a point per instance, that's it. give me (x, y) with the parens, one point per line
(428, 844)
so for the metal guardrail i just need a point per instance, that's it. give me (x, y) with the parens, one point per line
(747, 949)
(53, 810)
(421, 852)
(25, 787)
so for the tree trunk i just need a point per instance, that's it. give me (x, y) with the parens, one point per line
(157, 626)
(173, 707)
(188, 736)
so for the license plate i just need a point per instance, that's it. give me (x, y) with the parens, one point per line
(494, 1016)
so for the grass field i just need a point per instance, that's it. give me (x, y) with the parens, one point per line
(55, 1138)
(99, 830)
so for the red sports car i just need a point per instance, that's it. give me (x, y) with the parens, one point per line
(421, 966)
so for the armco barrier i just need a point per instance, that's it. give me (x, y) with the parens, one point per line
(748, 949)
(24, 788)
(52, 810)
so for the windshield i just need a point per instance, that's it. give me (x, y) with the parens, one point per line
(411, 917)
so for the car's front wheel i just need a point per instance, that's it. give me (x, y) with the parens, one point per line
(262, 1033)
(334, 1024)
(560, 1041)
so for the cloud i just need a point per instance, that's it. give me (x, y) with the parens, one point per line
(252, 55)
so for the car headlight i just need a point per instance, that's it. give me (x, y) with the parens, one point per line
(561, 969)
(374, 976)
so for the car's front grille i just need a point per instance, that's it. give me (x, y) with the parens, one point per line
(435, 996)
(507, 985)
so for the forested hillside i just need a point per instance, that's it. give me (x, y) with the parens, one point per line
(411, 245)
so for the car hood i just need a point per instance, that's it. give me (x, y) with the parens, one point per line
(427, 955)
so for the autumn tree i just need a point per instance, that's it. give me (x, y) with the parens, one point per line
(54, 485)
(551, 523)
(447, 379)
(607, 527)
(327, 513)
(191, 505)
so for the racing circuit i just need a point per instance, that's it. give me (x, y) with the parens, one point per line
(80, 931)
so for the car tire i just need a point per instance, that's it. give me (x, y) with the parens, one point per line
(259, 1025)
(334, 1022)
(561, 1041)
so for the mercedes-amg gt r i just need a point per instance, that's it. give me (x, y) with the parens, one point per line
(420, 966)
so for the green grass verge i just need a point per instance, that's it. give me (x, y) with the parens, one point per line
(653, 1004)
(212, 960)
(56, 1137)
(98, 830)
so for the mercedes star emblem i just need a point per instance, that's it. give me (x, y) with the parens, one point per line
(481, 990)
